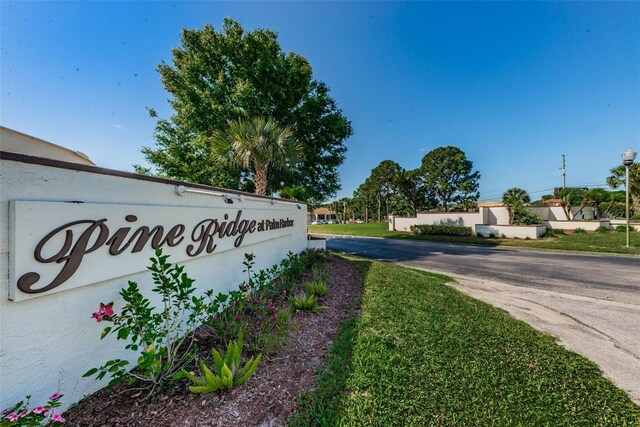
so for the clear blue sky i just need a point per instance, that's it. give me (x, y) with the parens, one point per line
(515, 85)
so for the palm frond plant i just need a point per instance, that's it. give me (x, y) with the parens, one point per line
(513, 199)
(257, 144)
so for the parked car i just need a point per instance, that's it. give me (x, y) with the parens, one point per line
(332, 221)
(359, 221)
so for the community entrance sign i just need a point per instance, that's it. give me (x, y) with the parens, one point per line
(57, 246)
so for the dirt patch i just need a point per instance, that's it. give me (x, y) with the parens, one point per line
(267, 399)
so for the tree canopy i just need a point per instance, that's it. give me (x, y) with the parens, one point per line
(449, 174)
(217, 77)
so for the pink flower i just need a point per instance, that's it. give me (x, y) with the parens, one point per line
(55, 396)
(274, 317)
(38, 410)
(216, 319)
(46, 412)
(284, 293)
(23, 414)
(104, 310)
(57, 418)
(238, 317)
(12, 416)
(272, 309)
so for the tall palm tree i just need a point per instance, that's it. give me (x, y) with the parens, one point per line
(260, 144)
(618, 177)
(514, 198)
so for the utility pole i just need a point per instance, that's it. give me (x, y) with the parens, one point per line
(564, 174)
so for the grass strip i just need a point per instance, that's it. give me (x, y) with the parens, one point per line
(422, 353)
(612, 242)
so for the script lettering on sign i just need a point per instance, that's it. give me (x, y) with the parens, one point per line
(106, 244)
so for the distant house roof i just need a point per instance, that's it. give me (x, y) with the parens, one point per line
(554, 202)
(17, 142)
(323, 211)
(490, 204)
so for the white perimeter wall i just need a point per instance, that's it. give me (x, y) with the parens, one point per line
(465, 219)
(47, 343)
(517, 231)
(549, 213)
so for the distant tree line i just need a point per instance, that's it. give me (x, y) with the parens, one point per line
(444, 181)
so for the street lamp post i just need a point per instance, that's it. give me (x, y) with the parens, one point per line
(627, 159)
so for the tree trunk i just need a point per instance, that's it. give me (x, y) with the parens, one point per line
(379, 208)
(387, 206)
(366, 213)
(443, 196)
(260, 179)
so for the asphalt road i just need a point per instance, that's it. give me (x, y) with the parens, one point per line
(608, 277)
(590, 302)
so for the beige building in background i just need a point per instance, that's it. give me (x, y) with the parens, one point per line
(17, 142)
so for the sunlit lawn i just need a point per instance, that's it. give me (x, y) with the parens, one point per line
(597, 242)
(424, 354)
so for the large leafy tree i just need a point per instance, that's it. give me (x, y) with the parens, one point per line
(382, 183)
(220, 76)
(514, 198)
(618, 178)
(410, 186)
(449, 174)
(259, 145)
(363, 199)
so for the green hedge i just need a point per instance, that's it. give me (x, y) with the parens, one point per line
(441, 230)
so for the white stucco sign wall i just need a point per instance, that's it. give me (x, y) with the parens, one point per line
(99, 229)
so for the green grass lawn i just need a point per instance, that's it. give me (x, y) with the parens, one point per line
(608, 242)
(422, 353)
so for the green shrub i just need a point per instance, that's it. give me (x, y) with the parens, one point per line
(228, 373)
(311, 257)
(441, 230)
(579, 231)
(623, 228)
(523, 216)
(317, 288)
(157, 334)
(602, 230)
(307, 302)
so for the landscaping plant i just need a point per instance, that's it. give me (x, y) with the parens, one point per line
(308, 302)
(523, 216)
(164, 338)
(579, 231)
(441, 230)
(228, 373)
(320, 272)
(21, 415)
(257, 307)
(317, 288)
(312, 257)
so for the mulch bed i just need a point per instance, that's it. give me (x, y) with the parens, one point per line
(269, 398)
